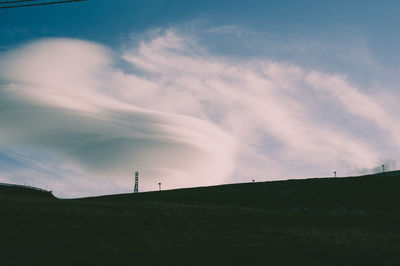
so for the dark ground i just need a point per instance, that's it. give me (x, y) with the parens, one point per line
(341, 221)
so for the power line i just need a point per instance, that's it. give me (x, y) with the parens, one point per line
(40, 4)
(16, 1)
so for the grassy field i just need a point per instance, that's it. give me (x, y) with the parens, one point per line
(327, 221)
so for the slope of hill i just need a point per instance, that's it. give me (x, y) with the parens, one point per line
(342, 221)
(11, 190)
(371, 192)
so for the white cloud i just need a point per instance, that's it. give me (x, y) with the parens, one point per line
(357, 103)
(58, 97)
(253, 100)
(182, 115)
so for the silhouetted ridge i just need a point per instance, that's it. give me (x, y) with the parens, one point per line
(26, 191)
(371, 192)
(324, 221)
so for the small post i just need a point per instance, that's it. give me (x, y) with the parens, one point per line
(383, 168)
(334, 173)
(159, 186)
(253, 180)
(136, 189)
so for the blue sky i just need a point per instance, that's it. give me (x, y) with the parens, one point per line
(237, 89)
(107, 21)
(340, 24)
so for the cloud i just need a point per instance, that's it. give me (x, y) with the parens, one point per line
(57, 98)
(180, 115)
(268, 106)
(357, 103)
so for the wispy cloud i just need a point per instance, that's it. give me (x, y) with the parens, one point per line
(58, 97)
(269, 107)
(183, 115)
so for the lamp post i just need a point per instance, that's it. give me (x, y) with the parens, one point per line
(159, 186)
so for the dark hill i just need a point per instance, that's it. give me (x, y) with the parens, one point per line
(372, 192)
(327, 221)
(11, 190)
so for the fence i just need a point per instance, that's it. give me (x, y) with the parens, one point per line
(24, 186)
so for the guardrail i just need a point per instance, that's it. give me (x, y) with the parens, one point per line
(24, 186)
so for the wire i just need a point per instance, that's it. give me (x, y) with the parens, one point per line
(17, 1)
(39, 4)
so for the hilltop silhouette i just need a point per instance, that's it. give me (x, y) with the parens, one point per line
(320, 221)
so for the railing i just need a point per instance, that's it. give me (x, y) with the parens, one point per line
(24, 186)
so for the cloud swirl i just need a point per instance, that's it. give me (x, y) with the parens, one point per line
(180, 115)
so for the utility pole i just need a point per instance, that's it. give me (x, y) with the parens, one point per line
(159, 186)
(136, 190)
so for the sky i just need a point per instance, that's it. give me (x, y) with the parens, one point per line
(196, 93)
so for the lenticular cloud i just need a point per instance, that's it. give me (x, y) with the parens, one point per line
(58, 97)
(180, 115)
